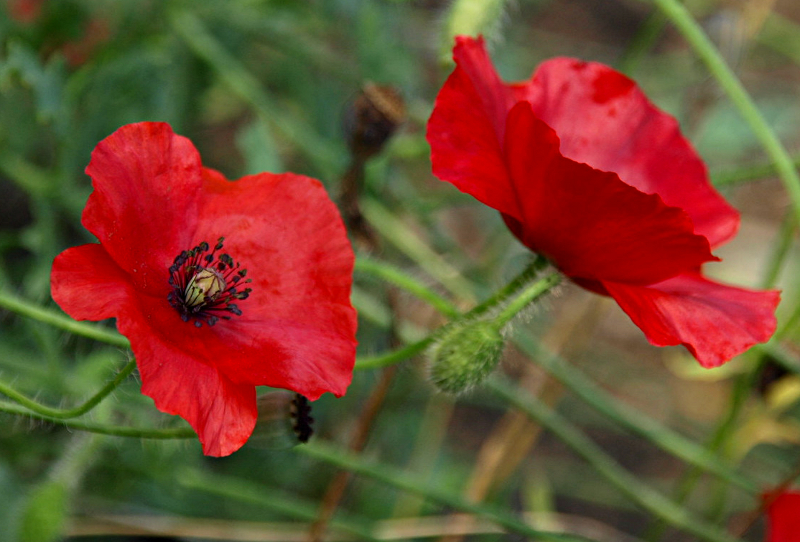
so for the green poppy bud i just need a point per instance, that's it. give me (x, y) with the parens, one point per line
(465, 355)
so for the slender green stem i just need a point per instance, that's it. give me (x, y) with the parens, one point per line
(703, 47)
(395, 356)
(395, 231)
(780, 251)
(74, 412)
(629, 418)
(602, 463)
(117, 431)
(410, 483)
(747, 173)
(236, 489)
(530, 294)
(392, 274)
(527, 275)
(56, 319)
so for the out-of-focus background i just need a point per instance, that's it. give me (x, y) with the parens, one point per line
(262, 85)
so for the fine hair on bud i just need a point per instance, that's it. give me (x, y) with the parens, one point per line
(465, 355)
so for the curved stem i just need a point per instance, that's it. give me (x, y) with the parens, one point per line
(395, 356)
(61, 414)
(161, 434)
(530, 294)
(624, 481)
(61, 321)
(534, 291)
(636, 422)
(527, 274)
(410, 483)
(391, 274)
(702, 45)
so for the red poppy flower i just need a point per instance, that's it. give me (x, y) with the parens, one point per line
(784, 518)
(586, 171)
(220, 286)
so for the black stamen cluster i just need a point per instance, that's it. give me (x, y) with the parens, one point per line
(187, 265)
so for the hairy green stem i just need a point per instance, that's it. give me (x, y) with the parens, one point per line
(56, 319)
(603, 464)
(393, 275)
(528, 296)
(523, 300)
(74, 412)
(117, 431)
(705, 49)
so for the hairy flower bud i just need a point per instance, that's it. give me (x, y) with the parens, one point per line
(465, 355)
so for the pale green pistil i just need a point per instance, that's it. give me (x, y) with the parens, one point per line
(204, 287)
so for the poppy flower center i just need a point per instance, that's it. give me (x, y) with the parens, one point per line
(206, 286)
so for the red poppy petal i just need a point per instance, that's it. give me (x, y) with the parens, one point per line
(604, 120)
(143, 209)
(297, 328)
(715, 322)
(591, 224)
(87, 284)
(784, 518)
(466, 126)
(221, 412)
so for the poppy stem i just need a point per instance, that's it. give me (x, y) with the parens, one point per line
(410, 350)
(62, 414)
(118, 431)
(530, 294)
(56, 319)
(705, 49)
(400, 279)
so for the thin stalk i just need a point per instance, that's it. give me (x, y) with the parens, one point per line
(395, 356)
(530, 294)
(633, 420)
(527, 275)
(391, 274)
(235, 489)
(744, 174)
(404, 481)
(50, 317)
(705, 49)
(74, 412)
(117, 431)
(603, 464)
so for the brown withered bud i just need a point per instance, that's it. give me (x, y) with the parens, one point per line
(771, 372)
(372, 118)
(284, 420)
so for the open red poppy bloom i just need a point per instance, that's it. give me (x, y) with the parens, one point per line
(784, 518)
(586, 171)
(220, 286)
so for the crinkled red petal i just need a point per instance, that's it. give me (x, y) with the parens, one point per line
(588, 222)
(143, 209)
(784, 518)
(222, 412)
(88, 285)
(466, 129)
(604, 120)
(715, 322)
(297, 327)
